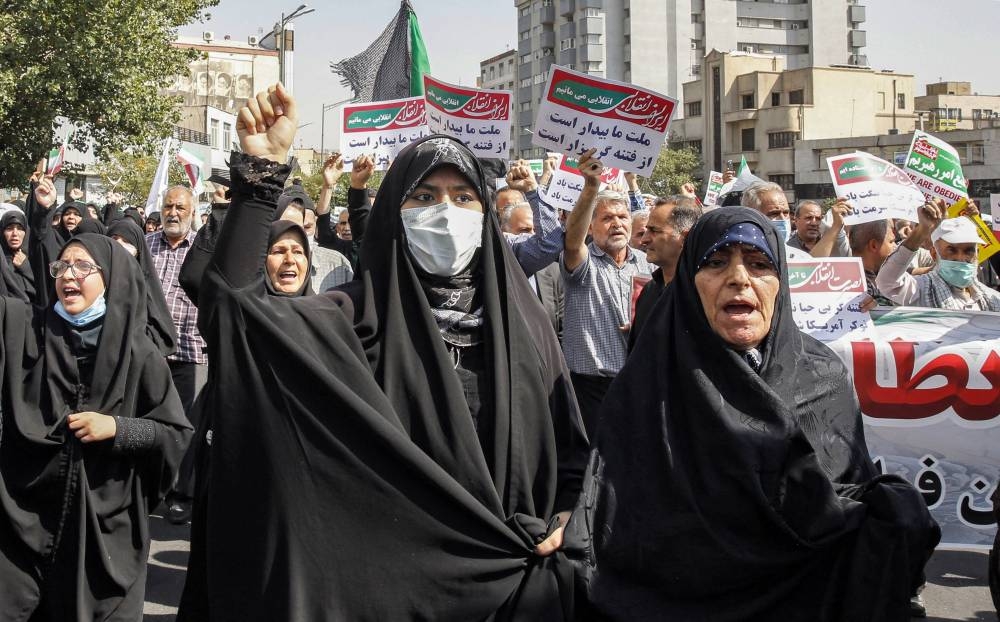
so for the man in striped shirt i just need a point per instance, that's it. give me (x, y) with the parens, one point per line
(188, 365)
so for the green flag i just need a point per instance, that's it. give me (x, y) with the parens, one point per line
(744, 168)
(419, 65)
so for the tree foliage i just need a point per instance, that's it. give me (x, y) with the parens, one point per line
(99, 63)
(131, 175)
(673, 169)
(313, 185)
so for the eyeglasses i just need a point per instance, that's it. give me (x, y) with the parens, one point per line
(81, 269)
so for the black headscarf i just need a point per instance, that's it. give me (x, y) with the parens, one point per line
(719, 493)
(17, 281)
(133, 213)
(65, 234)
(278, 229)
(160, 326)
(87, 505)
(349, 405)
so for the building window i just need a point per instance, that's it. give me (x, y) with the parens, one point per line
(539, 78)
(880, 100)
(796, 97)
(592, 65)
(525, 106)
(213, 133)
(525, 82)
(567, 44)
(746, 101)
(525, 34)
(525, 11)
(782, 140)
(227, 136)
(692, 109)
(592, 39)
(901, 100)
(747, 139)
(776, 99)
(593, 13)
(787, 182)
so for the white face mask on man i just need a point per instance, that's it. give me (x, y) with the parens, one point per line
(442, 238)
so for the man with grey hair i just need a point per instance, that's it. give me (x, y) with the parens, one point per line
(669, 223)
(189, 364)
(517, 219)
(639, 220)
(598, 281)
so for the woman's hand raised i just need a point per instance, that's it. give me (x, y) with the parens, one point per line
(266, 125)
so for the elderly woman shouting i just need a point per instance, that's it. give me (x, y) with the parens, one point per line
(730, 478)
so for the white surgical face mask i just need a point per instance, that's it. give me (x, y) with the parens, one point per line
(442, 238)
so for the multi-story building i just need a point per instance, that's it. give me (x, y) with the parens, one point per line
(954, 106)
(499, 73)
(660, 44)
(749, 105)
(216, 86)
(978, 151)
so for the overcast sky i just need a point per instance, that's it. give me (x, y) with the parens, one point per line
(901, 37)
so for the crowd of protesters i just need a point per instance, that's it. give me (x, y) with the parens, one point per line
(442, 401)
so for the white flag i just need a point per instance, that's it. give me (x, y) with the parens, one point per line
(161, 180)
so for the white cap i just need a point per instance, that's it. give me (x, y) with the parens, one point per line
(958, 230)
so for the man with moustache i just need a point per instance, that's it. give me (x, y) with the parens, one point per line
(598, 285)
(189, 364)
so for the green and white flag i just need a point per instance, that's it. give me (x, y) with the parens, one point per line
(393, 66)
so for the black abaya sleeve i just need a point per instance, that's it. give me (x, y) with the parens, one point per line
(359, 206)
(200, 255)
(326, 232)
(241, 246)
(43, 248)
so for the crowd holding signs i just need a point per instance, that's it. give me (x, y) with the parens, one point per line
(628, 126)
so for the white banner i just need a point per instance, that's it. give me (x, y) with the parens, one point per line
(929, 386)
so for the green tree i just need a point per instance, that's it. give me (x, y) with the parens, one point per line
(313, 184)
(673, 169)
(99, 63)
(131, 175)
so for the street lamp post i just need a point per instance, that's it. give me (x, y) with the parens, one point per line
(279, 36)
(322, 125)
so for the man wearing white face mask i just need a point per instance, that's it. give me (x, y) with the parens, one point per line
(952, 284)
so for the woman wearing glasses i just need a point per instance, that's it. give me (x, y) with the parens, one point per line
(92, 434)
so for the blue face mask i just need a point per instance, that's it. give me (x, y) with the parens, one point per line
(957, 273)
(94, 311)
(781, 226)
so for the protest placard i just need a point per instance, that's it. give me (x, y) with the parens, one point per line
(478, 118)
(928, 382)
(712, 191)
(625, 123)
(827, 295)
(566, 184)
(381, 129)
(934, 166)
(874, 188)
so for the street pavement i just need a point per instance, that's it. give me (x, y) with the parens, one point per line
(956, 591)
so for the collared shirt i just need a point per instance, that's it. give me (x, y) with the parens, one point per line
(168, 261)
(930, 290)
(598, 303)
(535, 251)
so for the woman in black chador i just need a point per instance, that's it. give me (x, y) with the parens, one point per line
(730, 479)
(404, 448)
(91, 436)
